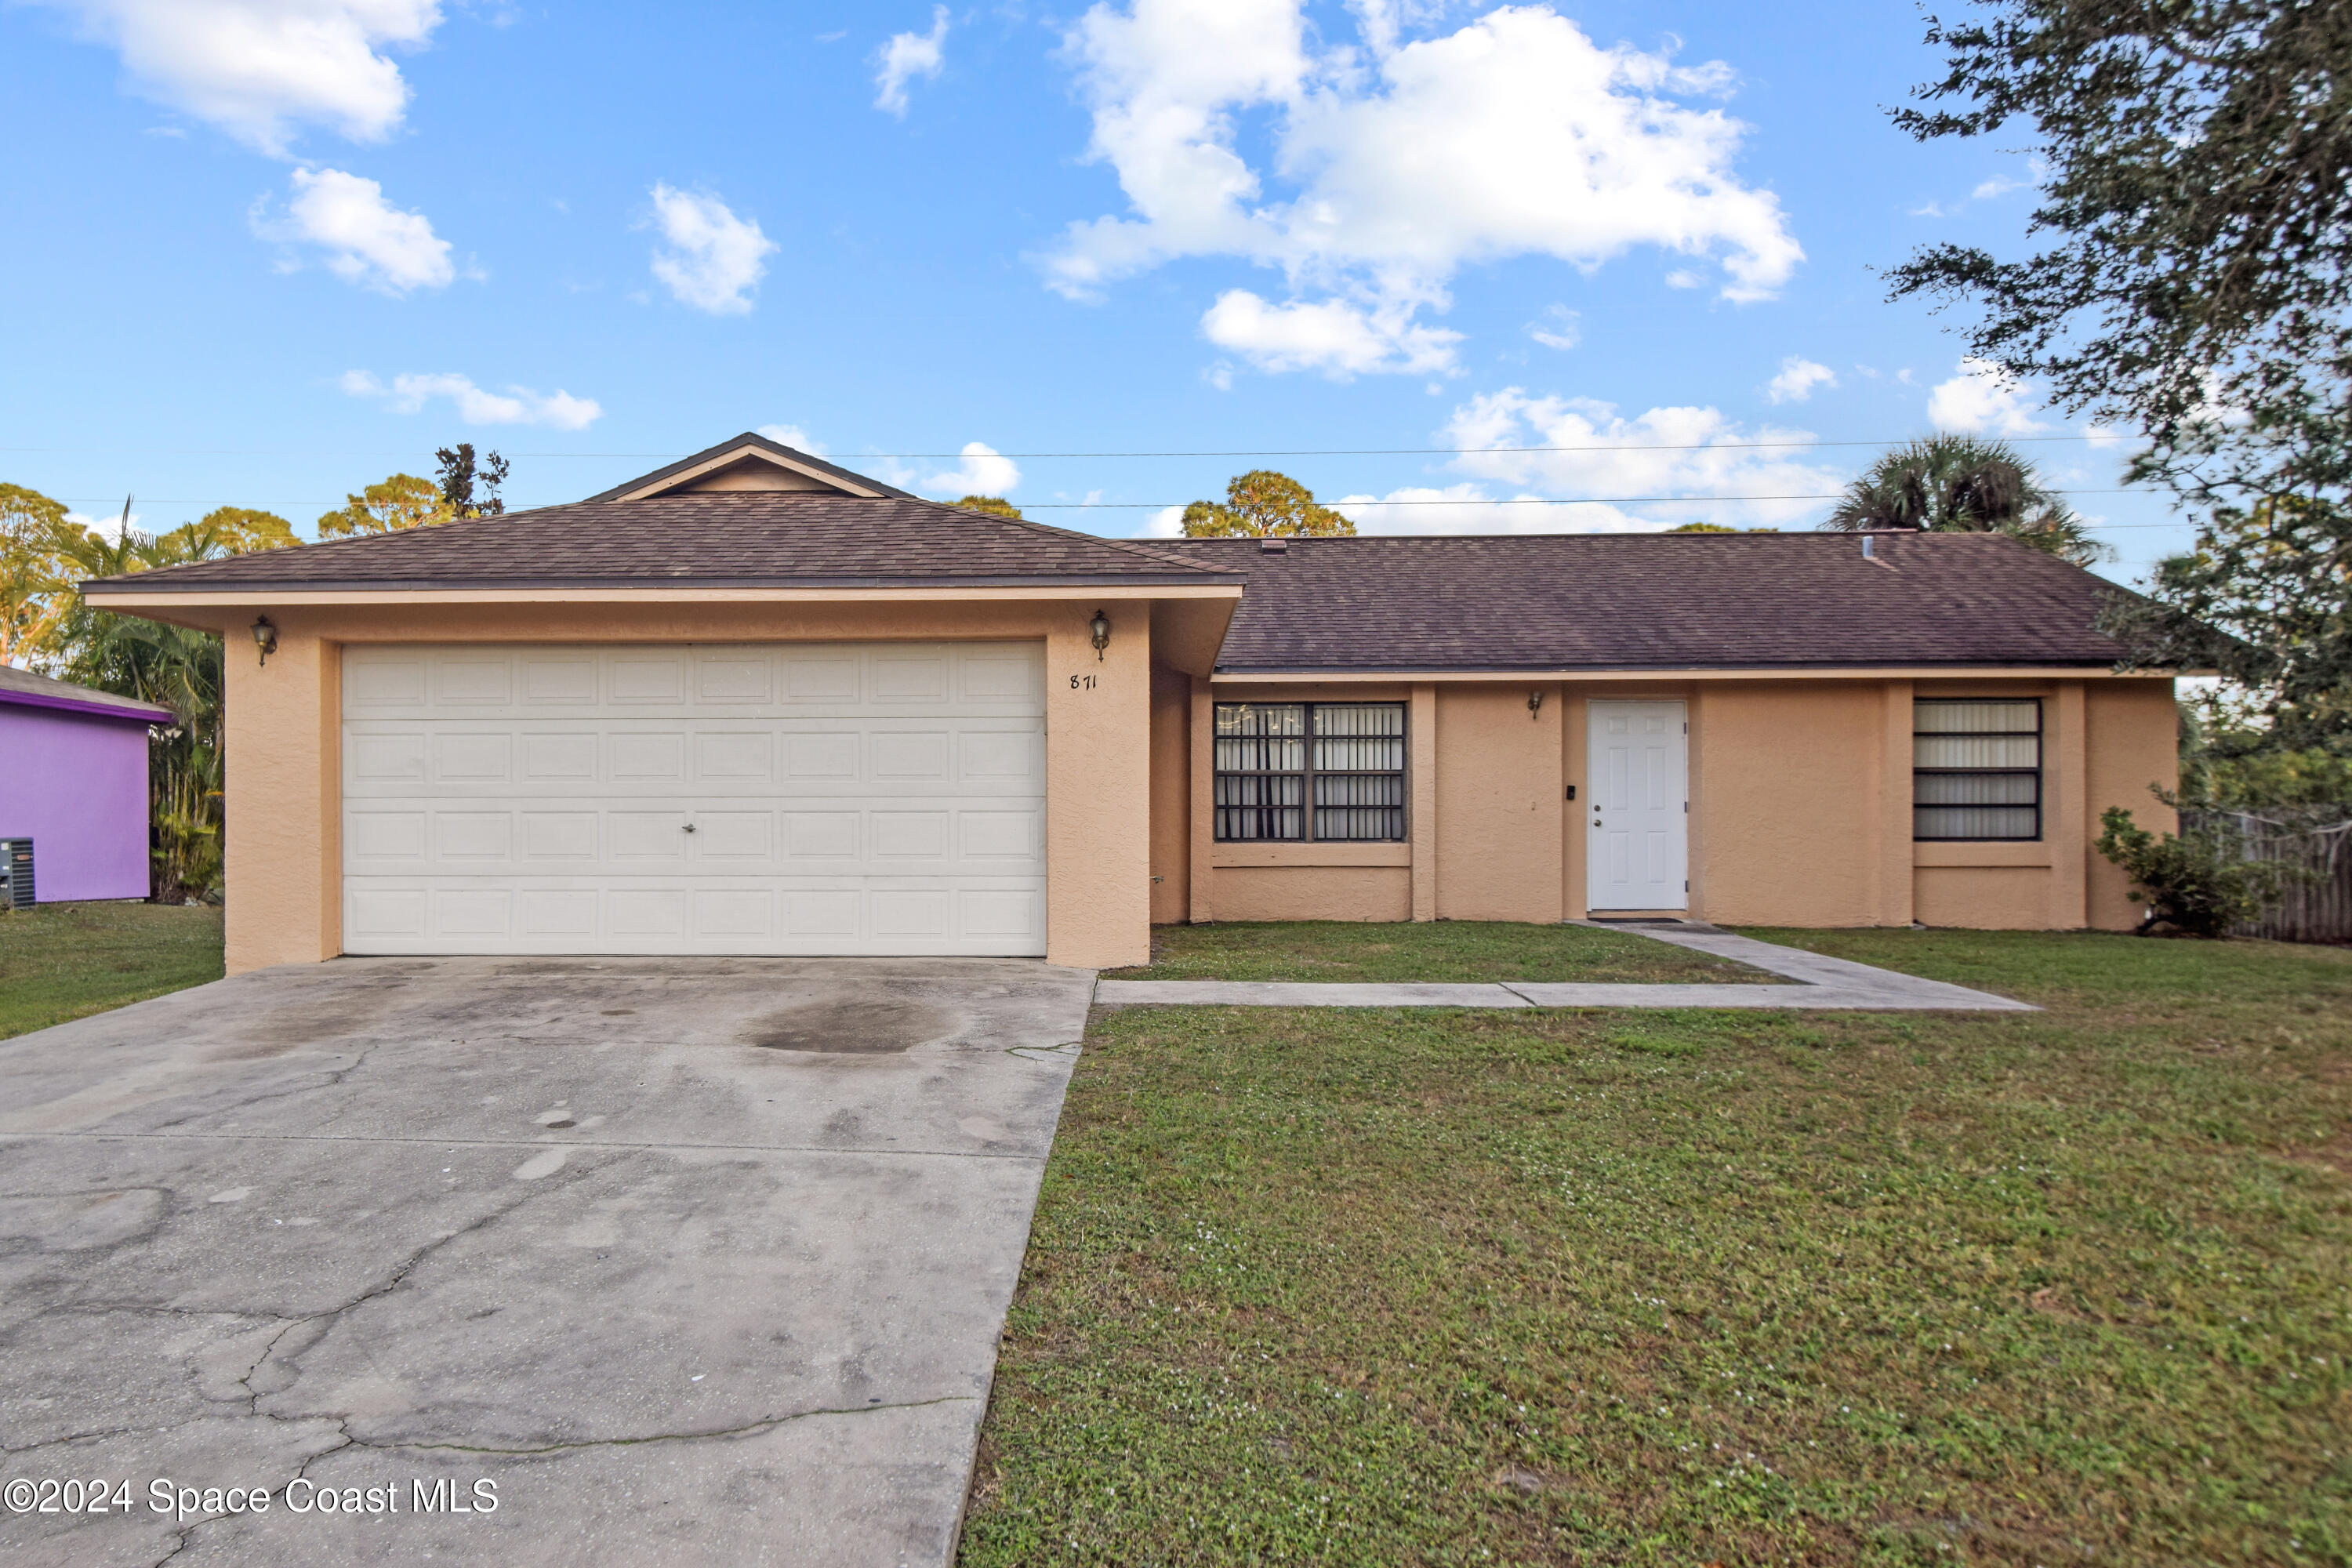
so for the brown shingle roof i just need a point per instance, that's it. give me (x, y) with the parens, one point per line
(727, 540)
(1603, 601)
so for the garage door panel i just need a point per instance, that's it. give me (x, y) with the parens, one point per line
(895, 756)
(552, 838)
(733, 754)
(734, 676)
(639, 679)
(483, 681)
(477, 835)
(472, 757)
(647, 756)
(844, 798)
(568, 756)
(390, 840)
(557, 679)
(556, 914)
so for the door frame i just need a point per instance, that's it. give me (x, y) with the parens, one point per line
(1593, 715)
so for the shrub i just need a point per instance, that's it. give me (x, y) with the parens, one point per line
(2193, 885)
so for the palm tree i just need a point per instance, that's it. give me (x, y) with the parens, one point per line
(1964, 484)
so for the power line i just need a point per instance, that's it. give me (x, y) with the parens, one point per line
(1499, 501)
(1040, 457)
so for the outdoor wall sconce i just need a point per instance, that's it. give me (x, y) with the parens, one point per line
(1100, 627)
(265, 637)
(1535, 704)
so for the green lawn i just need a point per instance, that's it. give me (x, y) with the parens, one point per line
(1703, 1288)
(1444, 950)
(61, 961)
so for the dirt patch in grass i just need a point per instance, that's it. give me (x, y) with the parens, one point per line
(62, 962)
(1428, 950)
(1414, 1287)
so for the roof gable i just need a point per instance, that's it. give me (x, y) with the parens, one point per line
(751, 463)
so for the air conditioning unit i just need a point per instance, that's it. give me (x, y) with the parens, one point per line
(16, 873)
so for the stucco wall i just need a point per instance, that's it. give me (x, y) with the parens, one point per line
(2133, 742)
(1801, 808)
(1498, 792)
(1314, 893)
(284, 726)
(75, 785)
(1785, 802)
(1172, 796)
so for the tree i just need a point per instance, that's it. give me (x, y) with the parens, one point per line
(995, 505)
(175, 667)
(2199, 191)
(239, 531)
(1262, 503)
(2266, 598)
(402, 502)
(1702, 527)
(1963, 484)
(2198, 286)
(35, 579)
(461, 479)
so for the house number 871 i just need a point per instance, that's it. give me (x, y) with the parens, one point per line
(1082, 683)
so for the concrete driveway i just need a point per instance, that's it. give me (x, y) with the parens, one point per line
(701, 1259)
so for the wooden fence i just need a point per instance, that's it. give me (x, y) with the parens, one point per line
(2314, 908)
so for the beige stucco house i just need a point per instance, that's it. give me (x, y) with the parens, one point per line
(756, 703)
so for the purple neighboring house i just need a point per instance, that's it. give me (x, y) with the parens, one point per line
(73, 779)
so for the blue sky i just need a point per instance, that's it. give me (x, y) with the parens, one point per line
(266, 251)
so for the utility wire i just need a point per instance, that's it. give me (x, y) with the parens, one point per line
(1039, 457)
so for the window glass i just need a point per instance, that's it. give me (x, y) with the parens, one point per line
(1977, 769)
(1323, 772)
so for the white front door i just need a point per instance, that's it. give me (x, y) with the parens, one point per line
(1637, 824)
(861, 798)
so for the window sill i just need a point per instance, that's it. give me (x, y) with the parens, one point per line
(2012, 853)
(1233, 854)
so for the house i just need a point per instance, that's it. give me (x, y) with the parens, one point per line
(753, 702)
(73, 779)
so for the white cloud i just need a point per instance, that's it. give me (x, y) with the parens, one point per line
(557, 410)
(796, 438)
(1797, 380)
(367, 240)
(1982, 399)
(905, 56)
(1168, 522)
(1338, 337)
(1467, 509)
(258, 68)
(1558, 328)
(106, 525)
(982, 472)
(1997, 186)
(1698, 453)
(1402, 162)
(715, 260)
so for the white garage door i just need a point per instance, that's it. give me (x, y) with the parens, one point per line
(800, 798)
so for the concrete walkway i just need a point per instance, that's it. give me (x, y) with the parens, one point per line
(1820, 982)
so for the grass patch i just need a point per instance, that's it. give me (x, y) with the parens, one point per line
(1434, 951)
(1703, 1288)
(62, 962)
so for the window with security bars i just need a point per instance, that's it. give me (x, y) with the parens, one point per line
(1976, 769)
(1327, 773)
